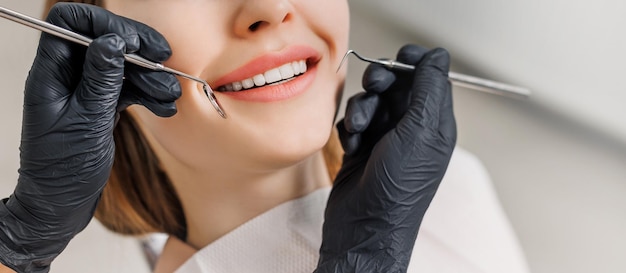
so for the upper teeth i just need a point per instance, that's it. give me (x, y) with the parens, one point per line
(283, 72)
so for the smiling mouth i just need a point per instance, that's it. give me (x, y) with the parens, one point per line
(275, 76)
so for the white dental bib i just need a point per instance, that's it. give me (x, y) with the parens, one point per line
(464, 230)
(286, 239)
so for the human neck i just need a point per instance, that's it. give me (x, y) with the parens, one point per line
(215, 206)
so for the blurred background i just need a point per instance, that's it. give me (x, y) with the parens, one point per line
(557, 161)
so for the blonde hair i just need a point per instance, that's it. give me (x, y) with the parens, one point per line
(139, 198)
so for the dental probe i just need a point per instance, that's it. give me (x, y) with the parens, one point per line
(456, 78)
(131, 58)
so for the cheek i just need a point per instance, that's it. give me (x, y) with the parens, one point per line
(194, 31)
(186, 135)
(330, 19)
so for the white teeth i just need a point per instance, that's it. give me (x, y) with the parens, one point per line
(237, 86)
(296, 68)
(259, 80)
(303, 66)
(272, 76)
(283, 72)
(286, 71)
(247, 83)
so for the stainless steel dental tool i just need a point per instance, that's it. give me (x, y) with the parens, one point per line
(131, 58)
(456, 78)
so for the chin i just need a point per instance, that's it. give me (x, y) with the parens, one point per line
(288, 146)
(286, 133)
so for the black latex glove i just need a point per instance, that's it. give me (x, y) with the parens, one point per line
(398, 136)
(71, 100)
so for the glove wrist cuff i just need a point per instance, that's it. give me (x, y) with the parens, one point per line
(22, 263)
(29, 256)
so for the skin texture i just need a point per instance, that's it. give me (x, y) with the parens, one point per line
(228, 171)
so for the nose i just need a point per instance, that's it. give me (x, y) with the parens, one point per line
(259, 15)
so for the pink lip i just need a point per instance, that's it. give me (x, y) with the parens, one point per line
(269, 61)
(278, 92)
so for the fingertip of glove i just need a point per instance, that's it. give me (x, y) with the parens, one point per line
(176, 91)
(166, 87)
(377, 79)
(165, 110)
(349, 142)
(162, 50)
(411, 54)
(170, 112)
(356, 123)
(160, 85)
(438, 57)
(360, 110)
(153, 45)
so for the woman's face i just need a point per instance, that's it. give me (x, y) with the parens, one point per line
(230, 44)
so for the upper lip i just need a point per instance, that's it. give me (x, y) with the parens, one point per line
(269, 61)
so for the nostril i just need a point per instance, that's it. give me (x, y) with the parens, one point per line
(287, 18)
(255, 26)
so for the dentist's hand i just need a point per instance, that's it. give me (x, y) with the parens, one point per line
(398, 136)
(71, 100)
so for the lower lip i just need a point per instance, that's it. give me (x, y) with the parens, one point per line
(278, 92)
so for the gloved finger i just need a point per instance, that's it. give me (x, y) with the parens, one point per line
(377, 79)
(411, 54)
(133, 95)
(447, 122)
(360, 110)
(103, 73)
(59, 62)
(94, 21)
(429, 90)
(398, 101)
(161, 86)
(349, 142)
